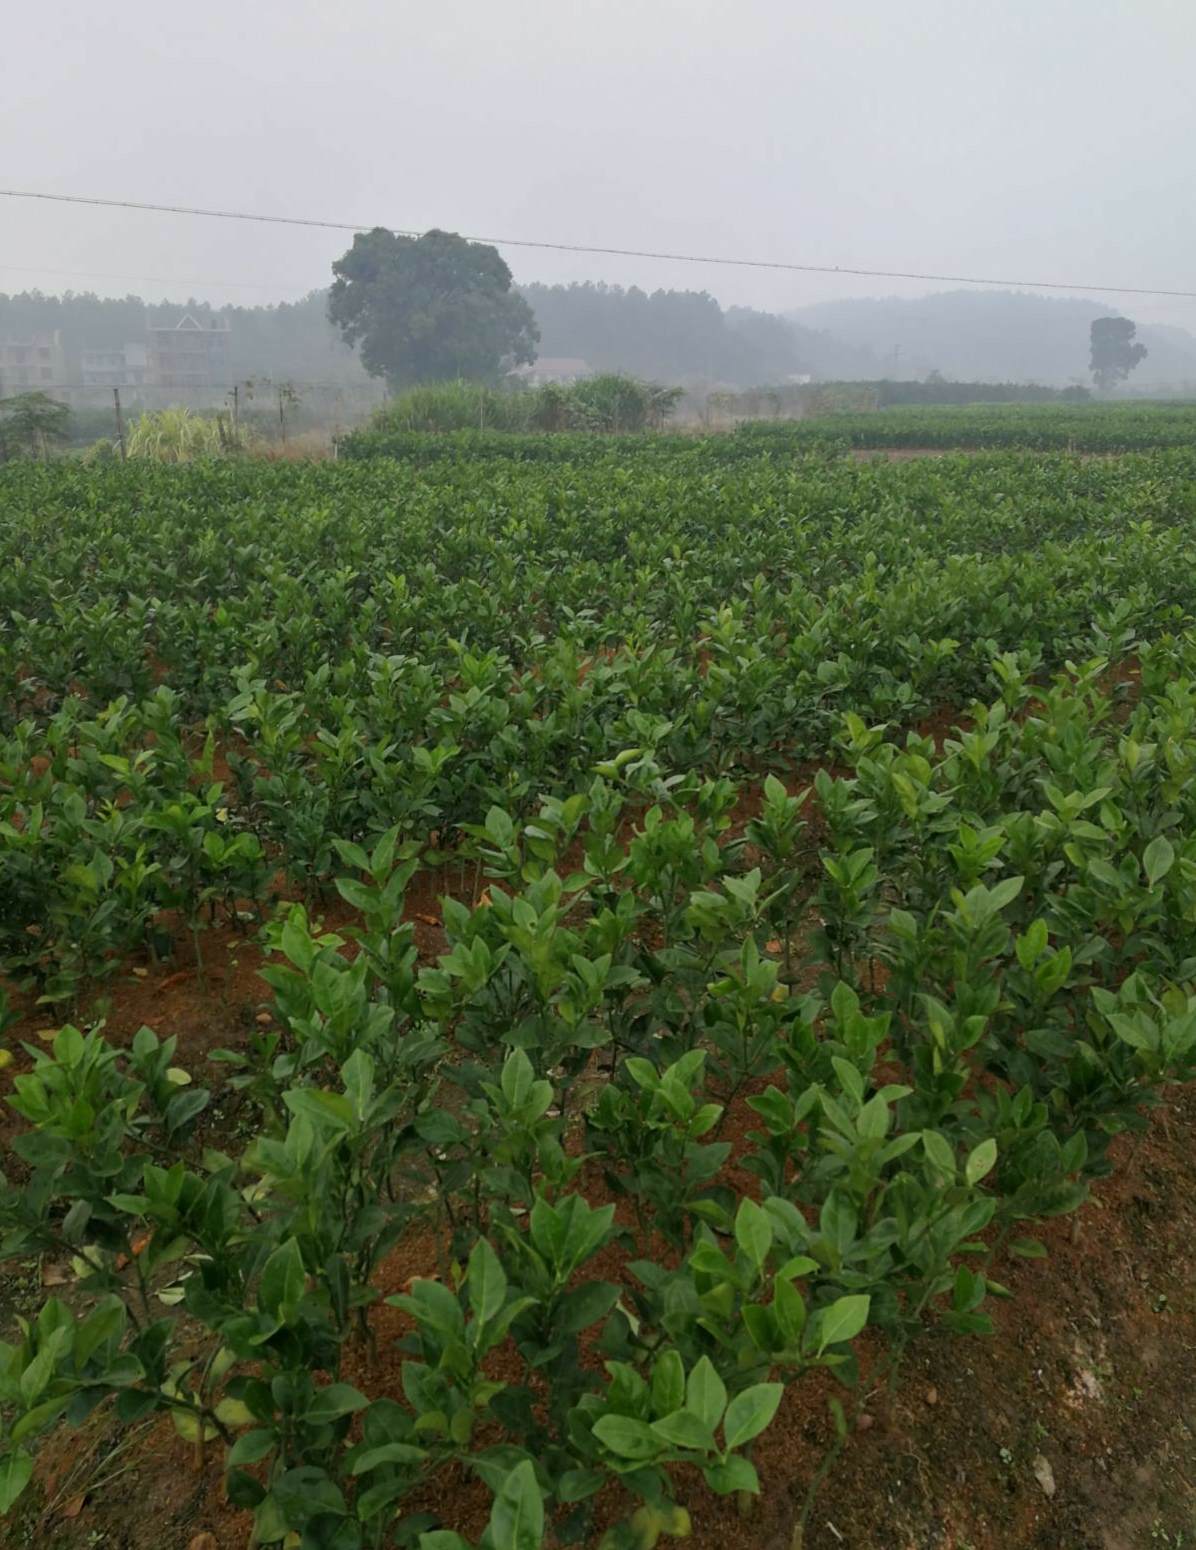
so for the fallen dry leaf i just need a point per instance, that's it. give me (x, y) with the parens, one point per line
(204, 1541)
(56, 1275)
(74, 1507)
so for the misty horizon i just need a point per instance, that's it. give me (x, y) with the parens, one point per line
(1034, 142)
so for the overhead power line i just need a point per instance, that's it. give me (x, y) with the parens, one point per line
(609, 252)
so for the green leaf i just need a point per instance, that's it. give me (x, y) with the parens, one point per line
(627, 1437)
(15, 1470)
(585, 1305)
(842, 1320)
(325, 1110)
(750, 1412)
(252, 1446)
(980, 1161)
(357, 895)
(668, 1383)
(486, 1282)
(753, 1231)
(357, 1074)
(705, 1393)
(518, 1074)
(335, 1400)
(283, 1279)
(1028, 1248)
(938, 1150)
(1005, 892)
(1157, 860)
(184, 1106)
(734, 1474)
(41, 1369)
(388, 1453)
(1031, 945)
(684, 1429)
(575, 1485)
(788, 1309)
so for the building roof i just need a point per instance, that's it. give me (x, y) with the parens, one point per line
(188, 325)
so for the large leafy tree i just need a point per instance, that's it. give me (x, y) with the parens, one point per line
(1114, 351)
(30, 424)
(430, 308)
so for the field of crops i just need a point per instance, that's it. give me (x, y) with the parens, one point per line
(1099, 427)
(663, 926)
(1086, 427)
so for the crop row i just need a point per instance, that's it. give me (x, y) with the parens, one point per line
(935, 1011)
(1086, 428)
(708, 1087)
(483, 641)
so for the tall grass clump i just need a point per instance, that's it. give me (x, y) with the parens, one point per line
(456, 406)
(609, 404)
(178, 436)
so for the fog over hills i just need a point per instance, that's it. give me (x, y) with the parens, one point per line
(1007, 336)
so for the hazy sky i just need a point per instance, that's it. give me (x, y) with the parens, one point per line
(1040, 139)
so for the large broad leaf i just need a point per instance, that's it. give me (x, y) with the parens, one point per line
(585, 1305)
(388, 1453)
(486, 1281)
(753, 1231)
(627, 1437)
(706, 1393)
(1158, 859)
(750, 1412)
(980, 1161)
(283, 1279)
(517, 1517)
(734, 1474)
(939, 1151)
(684, 1429)
(518, 1078)
(668, 1383)
(334, 1401)
(184, 1106)
(327, 1111)
(253, 1446)
(842, 1320)
(15, 1470)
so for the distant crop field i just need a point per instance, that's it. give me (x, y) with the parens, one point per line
(1112, 427)
(1084, 428)
(571, 989)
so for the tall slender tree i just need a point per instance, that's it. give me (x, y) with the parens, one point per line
(1114, 351)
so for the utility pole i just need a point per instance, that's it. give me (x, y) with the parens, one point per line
(236, 411)
(282, 419)
(120, 424)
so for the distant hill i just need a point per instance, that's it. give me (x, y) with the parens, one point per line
(1004, 336)
(684, 336)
